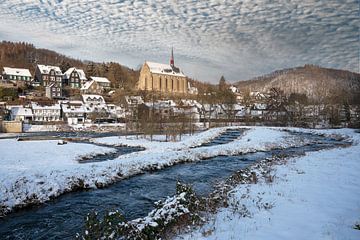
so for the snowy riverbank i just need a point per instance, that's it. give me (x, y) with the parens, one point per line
(311, 197)
(34, 172)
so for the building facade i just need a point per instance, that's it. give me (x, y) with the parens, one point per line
(102, 82)
(75, 78)
(46, 113)
(162, 78)
(53, 91)
(50, 76)
(16, 74)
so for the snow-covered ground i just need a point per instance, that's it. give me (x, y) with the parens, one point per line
(34, 172)
(39, 169)
(316, 196)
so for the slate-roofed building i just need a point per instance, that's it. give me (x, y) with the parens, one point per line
(74, 77)
(51, 77)
(16, 74)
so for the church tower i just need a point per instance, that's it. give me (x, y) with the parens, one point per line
(172, 58)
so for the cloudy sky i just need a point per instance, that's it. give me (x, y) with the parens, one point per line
(237, 39)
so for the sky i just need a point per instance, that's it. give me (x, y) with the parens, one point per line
(236, 39)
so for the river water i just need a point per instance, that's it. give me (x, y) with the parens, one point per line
(63, 217)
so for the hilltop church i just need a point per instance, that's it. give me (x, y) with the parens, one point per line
(162, 78)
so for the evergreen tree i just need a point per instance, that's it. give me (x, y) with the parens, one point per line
(222, 84)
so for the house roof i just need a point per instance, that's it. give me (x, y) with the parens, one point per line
(87, 85)
(21, 111)
(45, 69)
(17, 71)
(69, 108)
(91, 97)
(166, 69)
(100, 79)
(36, 106)
(50, 85)
(81, 73)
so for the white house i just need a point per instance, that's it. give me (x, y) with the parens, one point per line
(133, 100)
(94, 103)
(116, 111)
(192, 90)
(47, 113)
(21, 114)
(74, 112)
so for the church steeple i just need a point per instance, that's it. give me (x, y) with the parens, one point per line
(172, 57)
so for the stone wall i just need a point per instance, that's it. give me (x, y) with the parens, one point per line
(11, 126)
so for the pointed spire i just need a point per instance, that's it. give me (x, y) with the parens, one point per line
(172, 57)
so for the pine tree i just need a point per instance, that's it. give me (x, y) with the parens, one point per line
(222, 84)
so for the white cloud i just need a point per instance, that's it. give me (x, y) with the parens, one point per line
(238, 39)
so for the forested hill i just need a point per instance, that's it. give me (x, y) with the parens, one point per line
(25, 55)
(314, 81)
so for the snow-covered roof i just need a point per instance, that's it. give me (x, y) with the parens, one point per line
(234, 89)
(81, 73)
(260, 106)
(87, 85)
(36, 106)
(45, 69)
(161, 104)
(71, 102)
(100, 79)
(92, 97)
(166, 69)
(17, 71)
(21, 111)
(68, 108)
(190, 103)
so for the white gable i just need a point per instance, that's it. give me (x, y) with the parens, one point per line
(81, 73)
(87, 85)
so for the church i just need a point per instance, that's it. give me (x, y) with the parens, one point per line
(162, 78)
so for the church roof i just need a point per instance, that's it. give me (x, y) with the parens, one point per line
(166, 69)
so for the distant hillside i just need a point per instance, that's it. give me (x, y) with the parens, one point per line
(25, 55)
(314, 81)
